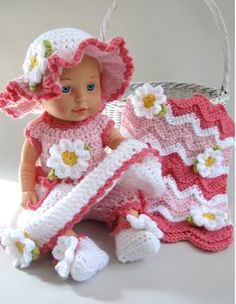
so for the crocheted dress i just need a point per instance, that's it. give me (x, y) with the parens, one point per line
(45, 131)
(48, 136)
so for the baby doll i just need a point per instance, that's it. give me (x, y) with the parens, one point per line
(70, 76)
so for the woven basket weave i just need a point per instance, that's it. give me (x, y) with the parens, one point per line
(177, 89)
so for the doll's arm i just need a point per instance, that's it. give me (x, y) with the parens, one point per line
(115, 138)
(27, 172)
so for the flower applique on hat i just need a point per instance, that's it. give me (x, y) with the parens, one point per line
(149, 101)
(35, 64)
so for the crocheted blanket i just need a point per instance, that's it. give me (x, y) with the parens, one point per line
(46, 226)
(195, 139)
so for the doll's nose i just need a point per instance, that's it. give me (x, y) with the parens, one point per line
(80, 96)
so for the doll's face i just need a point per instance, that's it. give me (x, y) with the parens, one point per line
(81, 92)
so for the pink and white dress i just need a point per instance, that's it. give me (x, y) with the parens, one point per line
(45, 132)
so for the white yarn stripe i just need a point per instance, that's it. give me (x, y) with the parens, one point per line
(180, 150)
(166, 213)
(45, 226)
(195, 122)
(196, 192)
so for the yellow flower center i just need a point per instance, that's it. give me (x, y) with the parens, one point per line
(20, 246)
(209, 216)
(210, 161)
(149, 101)
(69, 158)
(34, 62)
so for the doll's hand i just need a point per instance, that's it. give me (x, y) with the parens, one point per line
(29, 198)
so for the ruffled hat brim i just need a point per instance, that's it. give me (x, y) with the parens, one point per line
(116, 71)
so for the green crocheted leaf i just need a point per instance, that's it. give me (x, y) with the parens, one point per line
(218, 147)
(51, 174)
(48, 46)
(35, 253)
(164, 110)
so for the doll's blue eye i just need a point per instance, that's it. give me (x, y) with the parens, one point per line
(90, 87)
(65, 89)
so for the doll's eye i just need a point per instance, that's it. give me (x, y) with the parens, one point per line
(90, 87)
(65, 89)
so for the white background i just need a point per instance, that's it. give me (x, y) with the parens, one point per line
(174, 40)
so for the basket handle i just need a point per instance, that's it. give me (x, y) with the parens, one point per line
(219, 20)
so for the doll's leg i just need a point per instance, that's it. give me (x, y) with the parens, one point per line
(75, 255)
(138, 241)
(136, 235)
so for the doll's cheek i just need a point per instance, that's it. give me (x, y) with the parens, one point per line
(54, 106)
(59, 108)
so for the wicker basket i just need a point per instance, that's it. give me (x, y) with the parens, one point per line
(176, 89)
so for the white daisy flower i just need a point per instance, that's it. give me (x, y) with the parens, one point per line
(64, 252)
(148, 101)
(210, 218)
(68, 159)
(35, 63)
(20, 247)
(208, 161)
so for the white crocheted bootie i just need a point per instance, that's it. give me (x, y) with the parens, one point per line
(89, 259)
(80, 257)
(139, 241)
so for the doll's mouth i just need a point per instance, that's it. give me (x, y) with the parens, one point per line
(80, 111)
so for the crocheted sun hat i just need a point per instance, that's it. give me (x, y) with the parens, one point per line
(63, 48)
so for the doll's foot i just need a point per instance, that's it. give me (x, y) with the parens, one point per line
(139, 241)
(78, 256)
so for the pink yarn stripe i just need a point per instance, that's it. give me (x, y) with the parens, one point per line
(182, 206)
(107, 132)
(183, 135)
(185, 177)
(210, 115)
(35, 142)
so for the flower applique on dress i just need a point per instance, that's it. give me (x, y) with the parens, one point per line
(68, 159)
(149, 101)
